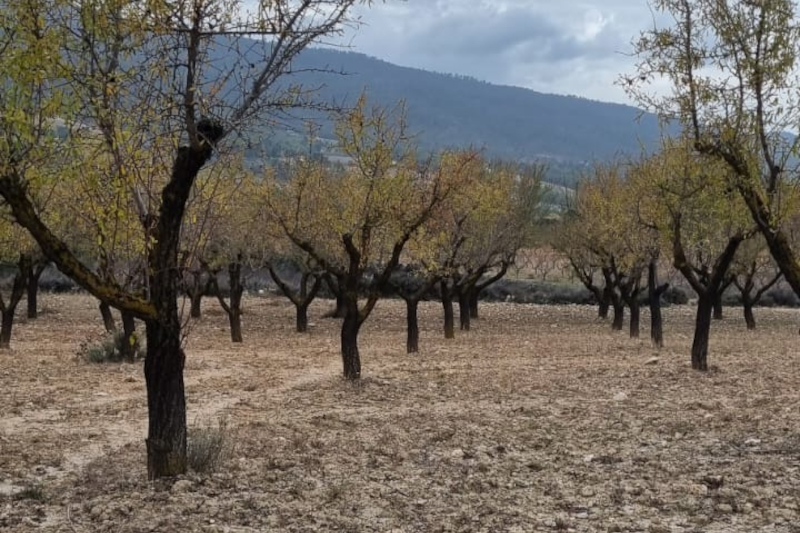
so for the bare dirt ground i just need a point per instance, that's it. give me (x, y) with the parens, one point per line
(539, 419)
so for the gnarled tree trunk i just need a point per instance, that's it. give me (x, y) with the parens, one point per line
(634, 320)
(474, 296)
(702, 332)
(34, 274)
(130, 342)
(654, 292)
(619, 315)
(302, 299)
(7, 310)
(749, 317)
(447, 306)
(351, 325)
(412, 338)
(108, 317)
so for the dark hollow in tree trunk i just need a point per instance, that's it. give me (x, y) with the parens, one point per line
(449, 315)
(463, 311)
(412, 340)
(619, 316)
(702, 331)
(129, 342)
(108, 317)
(473, 303)
(351, 359)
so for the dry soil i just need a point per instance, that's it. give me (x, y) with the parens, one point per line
(539, 419)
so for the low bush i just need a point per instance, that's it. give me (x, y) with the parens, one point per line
(207, 447)
(109, 349)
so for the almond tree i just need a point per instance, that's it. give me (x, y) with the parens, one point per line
(605, 229)
(732, 72)
(356, 222)
(489, 220)
(701, 220)
(433, 248)
(152, 71)
(753, 273)
(15, 252)
(221, 233)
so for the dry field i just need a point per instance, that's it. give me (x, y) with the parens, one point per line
(540, 419)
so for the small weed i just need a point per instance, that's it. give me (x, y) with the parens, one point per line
(109, 349)
(33, 492)
(207, 447)
(561, 524)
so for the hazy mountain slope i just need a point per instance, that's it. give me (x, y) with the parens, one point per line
(507, 121)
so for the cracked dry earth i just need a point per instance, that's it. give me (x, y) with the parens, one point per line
(539, 419)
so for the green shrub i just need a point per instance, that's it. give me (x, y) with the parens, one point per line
(109, 349)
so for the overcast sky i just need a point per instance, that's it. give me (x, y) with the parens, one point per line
(573, 47)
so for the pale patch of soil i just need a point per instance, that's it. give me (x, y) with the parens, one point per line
(539, 419)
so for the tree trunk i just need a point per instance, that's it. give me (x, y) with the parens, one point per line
(447, 305)
(654, 300)
(235, 320)
(602, 308)
(235, 307)
(463, 310)
(412, 342)
(635, 314)
(301, 322)
(196, 299)
(604, 302)
(17, 292)
(163, 367)
(749, 317)
(619, 316)
(5, 328)
(108, 317)
(129, 342)
(473, 303)
(702, 331)
(351, 359)
(33, 291)
(718, 306)
(166, 400)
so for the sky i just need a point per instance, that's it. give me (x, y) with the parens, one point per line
(574, 47)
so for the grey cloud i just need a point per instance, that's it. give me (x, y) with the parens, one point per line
(553, 46)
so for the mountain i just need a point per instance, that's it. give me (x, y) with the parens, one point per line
(456, 111)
